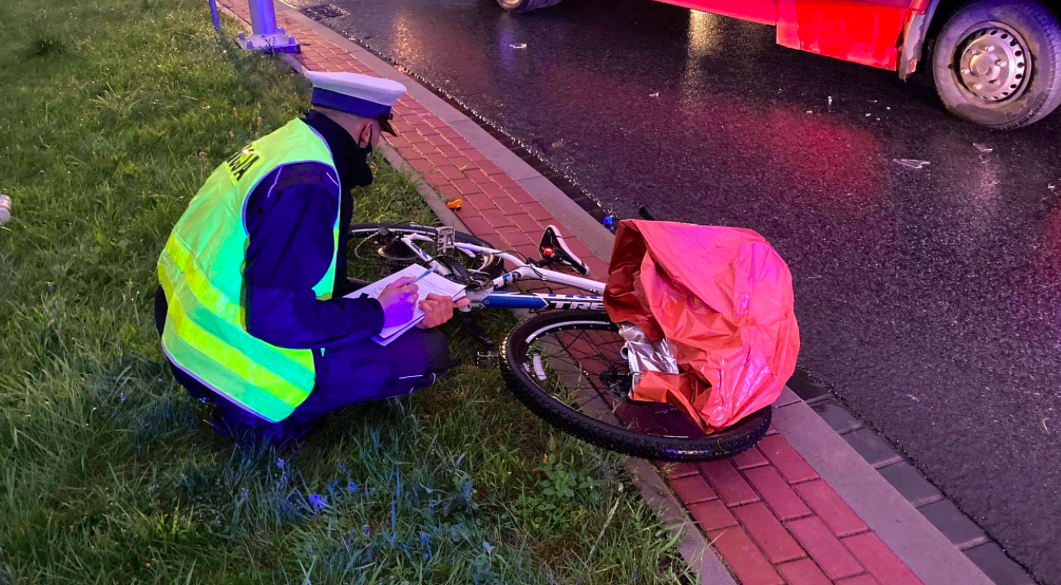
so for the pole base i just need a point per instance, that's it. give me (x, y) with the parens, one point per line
(278, 42)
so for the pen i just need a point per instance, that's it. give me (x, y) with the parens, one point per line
(426, 272)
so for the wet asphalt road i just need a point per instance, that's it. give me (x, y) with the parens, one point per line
(929, 299)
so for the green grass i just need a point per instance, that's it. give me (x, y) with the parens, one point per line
(112, 113)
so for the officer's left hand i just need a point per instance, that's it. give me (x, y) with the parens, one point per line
(438, 309)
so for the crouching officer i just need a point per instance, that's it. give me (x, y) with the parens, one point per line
(250, 306)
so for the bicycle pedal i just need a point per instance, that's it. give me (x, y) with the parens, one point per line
(474, 329)
(487, 359)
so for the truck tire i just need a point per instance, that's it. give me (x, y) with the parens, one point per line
(521, 6)
(997, 63)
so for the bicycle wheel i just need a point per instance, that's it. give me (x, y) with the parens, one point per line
(380, 244)
(566, 367)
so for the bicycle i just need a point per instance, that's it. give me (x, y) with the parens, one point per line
(568, 365)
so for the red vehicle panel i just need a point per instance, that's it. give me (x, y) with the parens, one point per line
(761, 11)
(866, 32)
(996, 63)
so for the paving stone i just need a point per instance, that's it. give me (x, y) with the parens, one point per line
(422, 165)
(806, 388)
(478, 226)
(505, 181)
(436, 180)
(450, 172)
(490, 168)
(803, 572)
(765, 529)
(480, 201)
(743, 557)
(728, 482)
(477, 176)
(836, 415)
(514, 236)
(466, 186)
(463, 162)
(751, 458)
(521, 195)
(879, 560)
(692, 489)
(787, 397)
(410, 153)
(494, 190)
(908, 480)
(832, 556)
(540, 213)
(449, 192)
(866, 579)
(872, 448)
(831, 508)
(509, 205)
(777, 493)
(785, 458)
(958, 527)
(712, 515)
(497, 218)
(449, 150)
(997, 566)
(471, 152)
(439, 160)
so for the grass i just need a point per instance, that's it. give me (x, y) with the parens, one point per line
(112, 114)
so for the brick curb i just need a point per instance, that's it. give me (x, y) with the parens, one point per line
(783, 512)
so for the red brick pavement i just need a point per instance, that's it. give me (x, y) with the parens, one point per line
(770, 517)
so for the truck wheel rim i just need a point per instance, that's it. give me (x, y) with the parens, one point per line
(994, 65)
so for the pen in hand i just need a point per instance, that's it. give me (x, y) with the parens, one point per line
(426, 272)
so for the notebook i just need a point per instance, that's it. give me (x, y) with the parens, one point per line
(430, 284)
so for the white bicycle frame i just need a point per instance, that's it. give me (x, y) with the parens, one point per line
(641, 353)
(522, 271)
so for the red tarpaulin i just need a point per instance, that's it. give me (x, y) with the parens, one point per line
(722, 298)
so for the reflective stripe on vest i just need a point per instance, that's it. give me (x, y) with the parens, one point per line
(201, 271)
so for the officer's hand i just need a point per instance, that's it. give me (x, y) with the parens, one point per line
(398, 300)
(438, 309)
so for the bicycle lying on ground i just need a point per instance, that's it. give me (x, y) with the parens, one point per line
(569, 365)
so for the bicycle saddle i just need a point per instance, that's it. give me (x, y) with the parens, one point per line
(553, 248)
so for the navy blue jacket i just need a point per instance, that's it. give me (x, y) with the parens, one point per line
(289, 219)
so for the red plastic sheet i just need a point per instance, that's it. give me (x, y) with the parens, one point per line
(722, 297)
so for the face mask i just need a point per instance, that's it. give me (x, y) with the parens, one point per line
(361, 174)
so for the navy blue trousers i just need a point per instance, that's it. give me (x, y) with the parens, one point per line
(348, 374)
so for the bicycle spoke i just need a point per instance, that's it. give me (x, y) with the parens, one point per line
(582, 367)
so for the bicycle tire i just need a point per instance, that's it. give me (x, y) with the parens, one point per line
(494, 267)
(725, 443)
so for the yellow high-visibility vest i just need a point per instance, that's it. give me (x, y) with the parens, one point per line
(201, 270)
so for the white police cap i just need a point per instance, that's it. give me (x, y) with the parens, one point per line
(363, 95)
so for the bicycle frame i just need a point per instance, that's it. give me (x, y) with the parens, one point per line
(522, 271)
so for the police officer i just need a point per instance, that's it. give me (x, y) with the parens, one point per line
(250, 307)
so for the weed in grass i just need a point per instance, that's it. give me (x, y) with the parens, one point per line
(45, 45)
(110, 473)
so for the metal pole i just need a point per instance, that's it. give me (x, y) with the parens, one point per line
(263, 17)
(213, 12)
(266, 37)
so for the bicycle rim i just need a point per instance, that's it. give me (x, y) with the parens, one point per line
(567, 368)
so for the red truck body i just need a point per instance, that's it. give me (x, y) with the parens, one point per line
(870, 32)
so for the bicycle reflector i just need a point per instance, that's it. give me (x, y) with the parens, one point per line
(547, 252)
